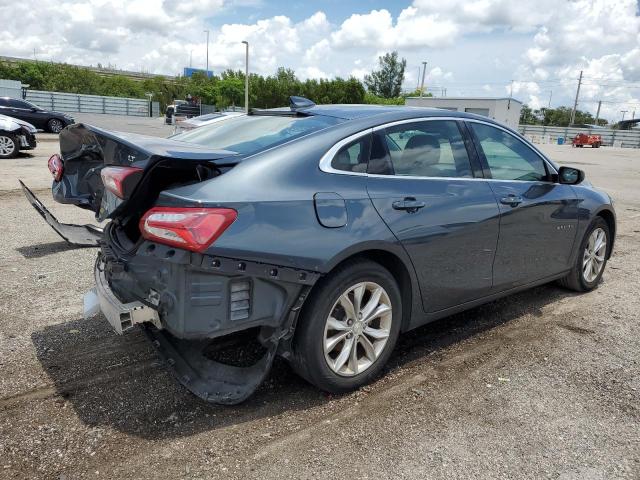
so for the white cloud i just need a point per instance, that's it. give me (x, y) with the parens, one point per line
(487, 14)
(601, 38)
(311, 72)
(412, 29)
(319, 51)
(363, 30)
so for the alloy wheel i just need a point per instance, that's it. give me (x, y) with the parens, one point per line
(7, 146)
(594, 255)
(55, 125)
(357, 329)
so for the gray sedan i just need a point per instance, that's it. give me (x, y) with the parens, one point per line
(320, 233)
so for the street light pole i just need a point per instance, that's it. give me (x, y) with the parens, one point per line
(206, 72)
(246, 77)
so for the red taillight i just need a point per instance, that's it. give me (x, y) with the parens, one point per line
(120, 180)
(56, 167)
(189, 228)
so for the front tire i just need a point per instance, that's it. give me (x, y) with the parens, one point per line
(55, 125)
(591, 260)
(348, 327)
(8, 146)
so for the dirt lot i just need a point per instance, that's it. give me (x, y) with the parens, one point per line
(543, 384)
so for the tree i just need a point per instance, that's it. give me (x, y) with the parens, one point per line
(222, 90)
(527, 116)
(387, 81)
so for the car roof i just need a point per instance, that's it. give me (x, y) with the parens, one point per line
(354, 111)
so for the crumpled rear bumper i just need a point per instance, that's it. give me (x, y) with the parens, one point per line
(199, 296)
(121, 316)
(184, 299)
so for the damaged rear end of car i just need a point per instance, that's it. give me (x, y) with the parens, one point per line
(155, 266)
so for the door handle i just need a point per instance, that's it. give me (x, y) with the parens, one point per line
(409, 204)
(511, 200)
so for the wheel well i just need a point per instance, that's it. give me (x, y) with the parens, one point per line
(397, 268)
(608, 217)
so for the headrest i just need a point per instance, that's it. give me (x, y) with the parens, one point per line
(342, 160)
(422, 149)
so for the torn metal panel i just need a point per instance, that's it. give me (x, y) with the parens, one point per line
(217, 382)
(80, 235)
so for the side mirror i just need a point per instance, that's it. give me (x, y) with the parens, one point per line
(570, 175)
(34, 109)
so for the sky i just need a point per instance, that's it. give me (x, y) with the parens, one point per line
(472, 47)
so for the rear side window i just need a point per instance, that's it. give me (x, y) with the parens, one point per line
(508, 157)
(432, 148)
(249, 134)
(353, 156)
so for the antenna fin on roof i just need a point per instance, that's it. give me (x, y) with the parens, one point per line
(300, 103)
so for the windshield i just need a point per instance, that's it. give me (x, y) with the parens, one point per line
(250, 134)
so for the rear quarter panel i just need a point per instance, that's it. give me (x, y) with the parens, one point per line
(277, 223)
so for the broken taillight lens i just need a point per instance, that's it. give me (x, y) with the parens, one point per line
(120, 180)
(56, 166)
(193, 229)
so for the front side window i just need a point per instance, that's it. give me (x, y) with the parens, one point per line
(20, 104)
(249, 134)
(433, 148)
(508, 157)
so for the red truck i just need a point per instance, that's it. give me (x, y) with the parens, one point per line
(582, 139)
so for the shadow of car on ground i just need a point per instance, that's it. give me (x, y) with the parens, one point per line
(118, 381)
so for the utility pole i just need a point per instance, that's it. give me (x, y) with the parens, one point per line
(418, 80)
(424, 71)
(550, 95)
(246, 77)
(623, 113)
(575, 103)
(598, 112)
(510, 95)
(207, 70)
(633, 115)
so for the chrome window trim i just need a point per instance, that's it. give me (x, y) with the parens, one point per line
(327, 158)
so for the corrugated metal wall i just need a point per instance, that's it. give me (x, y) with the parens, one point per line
(615, 138)
(72, 102)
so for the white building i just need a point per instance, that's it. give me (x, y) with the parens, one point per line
(503, 110)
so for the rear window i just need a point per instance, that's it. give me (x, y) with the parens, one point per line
(250, 134)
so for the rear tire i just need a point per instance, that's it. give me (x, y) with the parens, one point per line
(8, 146)
(339, 349)
(591, 260)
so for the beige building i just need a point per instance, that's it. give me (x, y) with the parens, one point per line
(503, 110)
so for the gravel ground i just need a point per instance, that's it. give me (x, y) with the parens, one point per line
(542, 384)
